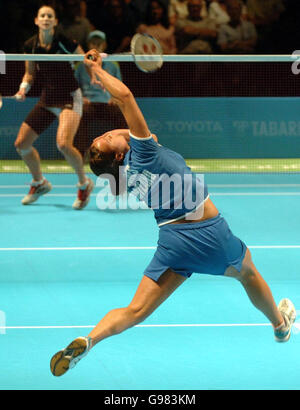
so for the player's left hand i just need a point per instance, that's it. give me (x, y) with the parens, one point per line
(93, 60)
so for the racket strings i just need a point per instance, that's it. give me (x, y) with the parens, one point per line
(147, 53)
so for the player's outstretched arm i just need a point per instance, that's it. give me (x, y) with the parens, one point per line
(27, 80)
(121, 95)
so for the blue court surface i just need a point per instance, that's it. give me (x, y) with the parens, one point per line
(62, 270)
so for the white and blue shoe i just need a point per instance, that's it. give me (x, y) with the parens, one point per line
(66, 359)
(287, 309)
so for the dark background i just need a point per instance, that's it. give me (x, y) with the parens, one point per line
(16, 24)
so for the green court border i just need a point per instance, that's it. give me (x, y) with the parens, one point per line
(276, 165)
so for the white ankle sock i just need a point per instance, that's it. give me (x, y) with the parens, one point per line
(37, 183)
(83, 186)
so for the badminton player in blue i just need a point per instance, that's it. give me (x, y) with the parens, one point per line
(193, 237)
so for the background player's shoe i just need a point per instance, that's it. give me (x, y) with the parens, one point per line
(288, 312)
(66, 359)
(84, 195)
(36, 190)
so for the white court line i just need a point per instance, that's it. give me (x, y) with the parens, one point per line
(82, 248)
(48, 195)
(141, 326)
(275, 247)
(209, 185)
(26, 186)
(254, 185)
(211, 194)
(126, 248)
(254, 193)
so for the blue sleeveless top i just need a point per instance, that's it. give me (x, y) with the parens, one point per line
(160, 177)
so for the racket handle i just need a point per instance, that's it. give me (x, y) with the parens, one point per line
(102, 55)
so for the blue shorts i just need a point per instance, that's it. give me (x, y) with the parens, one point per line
(202, 247)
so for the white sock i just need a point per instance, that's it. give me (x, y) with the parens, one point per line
(83, 186)
(37, 183)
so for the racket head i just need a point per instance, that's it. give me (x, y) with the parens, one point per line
(147, 53)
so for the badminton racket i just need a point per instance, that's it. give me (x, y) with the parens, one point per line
(146, 51)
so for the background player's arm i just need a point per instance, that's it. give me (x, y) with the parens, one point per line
(27, 80)
(121, 95)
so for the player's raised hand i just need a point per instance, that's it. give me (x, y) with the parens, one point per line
(94, 58)
(21, 95)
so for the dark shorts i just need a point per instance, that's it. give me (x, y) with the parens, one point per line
(207, 247)
(41, 117)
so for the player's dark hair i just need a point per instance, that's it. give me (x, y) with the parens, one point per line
(104, 163)
(49, 3)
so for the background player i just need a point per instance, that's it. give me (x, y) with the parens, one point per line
(201, 242)
(99, 112)
(61, 98)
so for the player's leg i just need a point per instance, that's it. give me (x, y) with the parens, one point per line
(261, 297)
(68, 125)
(69, 121)
(24, 146)
(149, 296)
(83, 139)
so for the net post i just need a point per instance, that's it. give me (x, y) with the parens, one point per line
(2, 62)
